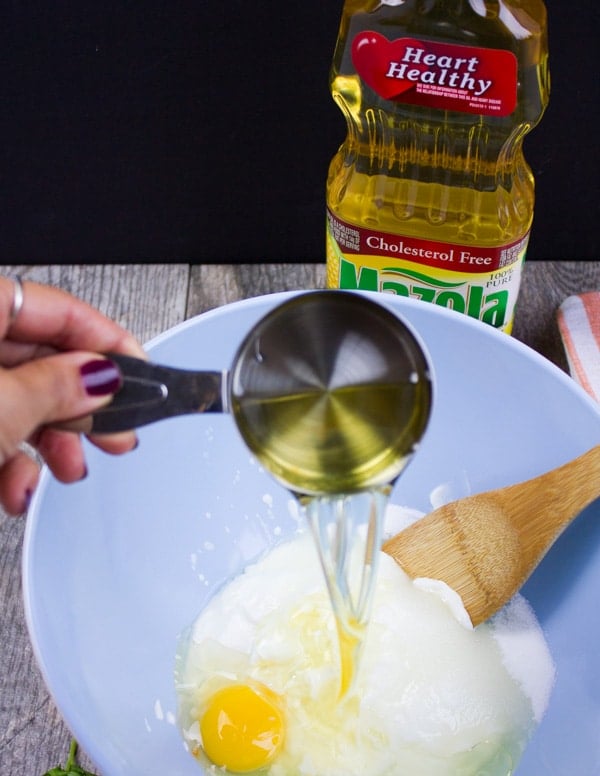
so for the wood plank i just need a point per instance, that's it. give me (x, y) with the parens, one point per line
(545, 285)
(146, 299)
(218, 284)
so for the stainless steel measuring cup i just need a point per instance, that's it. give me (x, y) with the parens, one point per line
(330, 390)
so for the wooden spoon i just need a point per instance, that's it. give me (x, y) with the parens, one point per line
(486, 546)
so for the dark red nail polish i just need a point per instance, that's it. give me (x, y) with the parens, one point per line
(101, 377)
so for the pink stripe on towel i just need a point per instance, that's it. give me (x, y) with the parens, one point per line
(579, 326)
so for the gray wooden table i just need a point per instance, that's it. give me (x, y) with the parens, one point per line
(148, 299)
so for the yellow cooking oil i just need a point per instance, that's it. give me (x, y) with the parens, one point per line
(430, 195)
(335, 440)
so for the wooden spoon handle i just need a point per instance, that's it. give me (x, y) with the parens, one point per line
(540, 509)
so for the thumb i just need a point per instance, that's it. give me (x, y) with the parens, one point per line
(49, 390)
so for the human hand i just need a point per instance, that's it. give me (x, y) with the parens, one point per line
(51, 372)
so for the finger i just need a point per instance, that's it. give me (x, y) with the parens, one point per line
(15, 353)
(52, 316)
(63, 454)
(115, 444)
(49, 390)
(18, 479)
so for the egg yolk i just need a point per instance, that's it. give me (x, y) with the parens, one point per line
(241, 728)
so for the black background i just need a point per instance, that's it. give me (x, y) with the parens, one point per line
(201, 131)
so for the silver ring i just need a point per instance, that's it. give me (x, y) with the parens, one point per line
(18, 298)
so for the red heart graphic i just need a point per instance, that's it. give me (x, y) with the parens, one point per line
(373, 55)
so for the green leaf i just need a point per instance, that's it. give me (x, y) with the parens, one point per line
(71, 768)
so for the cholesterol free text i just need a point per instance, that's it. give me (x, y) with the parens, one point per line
(449, 256)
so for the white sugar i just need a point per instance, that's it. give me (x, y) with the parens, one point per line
(525, 652)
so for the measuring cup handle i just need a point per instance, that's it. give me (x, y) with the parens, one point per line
(152, 392)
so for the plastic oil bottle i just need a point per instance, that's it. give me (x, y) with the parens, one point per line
(430, 195)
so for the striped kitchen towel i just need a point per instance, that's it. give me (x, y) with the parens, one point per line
(579, 326)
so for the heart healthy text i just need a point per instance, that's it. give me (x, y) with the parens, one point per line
(455, 72)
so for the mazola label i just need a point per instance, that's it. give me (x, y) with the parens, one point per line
(480, 282)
